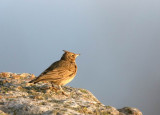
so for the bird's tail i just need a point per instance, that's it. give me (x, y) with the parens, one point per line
(33, 81)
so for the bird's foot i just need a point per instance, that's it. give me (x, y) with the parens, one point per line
(63, 93)
(53, 88)
(45, 88)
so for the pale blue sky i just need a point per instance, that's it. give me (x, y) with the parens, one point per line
(119, 43)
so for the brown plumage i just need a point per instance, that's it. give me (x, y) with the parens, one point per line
(60, 72)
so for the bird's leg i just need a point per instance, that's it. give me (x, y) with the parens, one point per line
(53, 87)
(52, 83)
(60, 88)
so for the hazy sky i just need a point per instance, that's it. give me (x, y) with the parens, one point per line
(119, 43)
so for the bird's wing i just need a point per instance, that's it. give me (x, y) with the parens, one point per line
(58, 73)
(55, 72)
(50, 68)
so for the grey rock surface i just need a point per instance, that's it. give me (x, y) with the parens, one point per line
(18, 97)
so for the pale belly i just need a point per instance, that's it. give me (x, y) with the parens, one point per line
(65, 81)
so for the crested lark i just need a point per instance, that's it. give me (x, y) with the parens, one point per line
(60, 72)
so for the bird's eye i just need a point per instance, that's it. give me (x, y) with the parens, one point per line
(72, 55)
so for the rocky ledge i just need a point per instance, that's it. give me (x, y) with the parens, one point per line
(18, 97)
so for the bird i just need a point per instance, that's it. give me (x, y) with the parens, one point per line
(60, 72)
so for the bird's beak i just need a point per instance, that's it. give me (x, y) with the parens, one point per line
(77, 55)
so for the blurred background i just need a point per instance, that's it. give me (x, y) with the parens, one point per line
(119, 43)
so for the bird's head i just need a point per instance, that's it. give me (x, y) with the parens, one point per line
(69, 56)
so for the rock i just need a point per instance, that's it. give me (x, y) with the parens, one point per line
(130, 111)
(18, 97)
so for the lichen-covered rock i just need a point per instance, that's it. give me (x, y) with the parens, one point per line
(18, 97)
